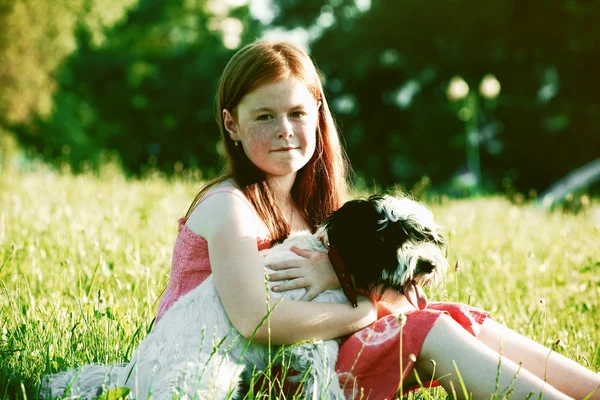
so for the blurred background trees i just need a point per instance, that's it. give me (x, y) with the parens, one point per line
(138, 78)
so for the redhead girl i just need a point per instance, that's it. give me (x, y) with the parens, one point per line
(286, 171)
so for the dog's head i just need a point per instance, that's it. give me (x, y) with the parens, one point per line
(388, 242)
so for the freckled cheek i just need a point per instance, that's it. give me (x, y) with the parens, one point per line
(258, 138)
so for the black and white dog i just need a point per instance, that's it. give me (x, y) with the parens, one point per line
(194, 351)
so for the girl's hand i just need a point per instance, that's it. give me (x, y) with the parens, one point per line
(314, 273)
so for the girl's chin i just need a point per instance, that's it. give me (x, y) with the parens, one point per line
(287, 169)
(282, 173)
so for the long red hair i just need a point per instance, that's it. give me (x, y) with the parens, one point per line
(321, 185)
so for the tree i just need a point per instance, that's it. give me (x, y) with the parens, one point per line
(388, 65)
(36, 36)
(147, 91)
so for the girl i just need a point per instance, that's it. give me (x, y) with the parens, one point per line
(286, 171)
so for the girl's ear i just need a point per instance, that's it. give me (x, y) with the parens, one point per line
(230, 125)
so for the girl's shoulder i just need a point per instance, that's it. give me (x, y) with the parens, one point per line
(227, 186)
(223, 204)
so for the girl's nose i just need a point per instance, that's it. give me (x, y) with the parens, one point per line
(286, 129)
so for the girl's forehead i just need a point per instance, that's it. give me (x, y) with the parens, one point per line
(281, 93)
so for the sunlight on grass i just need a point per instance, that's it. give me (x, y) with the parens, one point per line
(83, 261)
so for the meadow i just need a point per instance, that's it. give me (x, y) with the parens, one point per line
(84, 260)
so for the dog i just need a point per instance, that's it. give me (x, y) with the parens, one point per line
(382, 242)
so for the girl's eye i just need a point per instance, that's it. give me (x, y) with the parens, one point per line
(297, 114)
(264, 117)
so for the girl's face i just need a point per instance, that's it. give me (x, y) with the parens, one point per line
(276, 125)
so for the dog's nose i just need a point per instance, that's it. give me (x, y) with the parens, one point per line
(425, 266)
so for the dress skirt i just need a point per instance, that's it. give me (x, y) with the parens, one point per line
(368, 363)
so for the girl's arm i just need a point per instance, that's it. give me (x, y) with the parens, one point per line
(230, 227)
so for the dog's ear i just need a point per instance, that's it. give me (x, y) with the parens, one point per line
(360, 232)
(394, 233)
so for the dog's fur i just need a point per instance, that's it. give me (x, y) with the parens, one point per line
(194, 351)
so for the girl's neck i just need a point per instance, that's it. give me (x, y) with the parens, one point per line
(282, 188)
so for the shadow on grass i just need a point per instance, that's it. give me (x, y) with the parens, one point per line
(16, 387)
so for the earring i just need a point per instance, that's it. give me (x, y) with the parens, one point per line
(237, 143)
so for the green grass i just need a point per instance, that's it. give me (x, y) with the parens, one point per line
(83, 260)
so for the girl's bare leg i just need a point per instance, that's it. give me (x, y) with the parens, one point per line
(561, 372)
(448, 343)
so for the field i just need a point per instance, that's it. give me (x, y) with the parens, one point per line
(84, 259)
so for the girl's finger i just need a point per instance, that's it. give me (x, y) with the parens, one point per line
(290, 285)
(281, 265)
(302, 252)
(309, 296)
(291, 273)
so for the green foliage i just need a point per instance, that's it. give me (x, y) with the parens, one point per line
(35, 38)
(84, 259)
(146, 91)
(138, 77)
(388, 68)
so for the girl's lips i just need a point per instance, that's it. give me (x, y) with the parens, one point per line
(285, 149)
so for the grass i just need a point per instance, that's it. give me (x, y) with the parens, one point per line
(84, 259)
